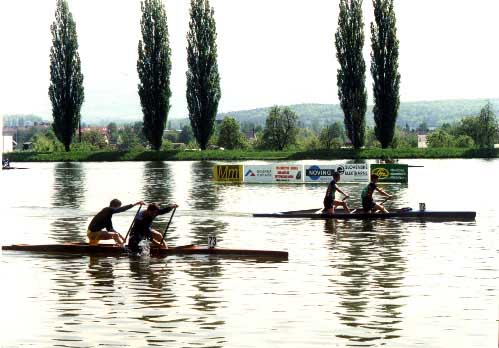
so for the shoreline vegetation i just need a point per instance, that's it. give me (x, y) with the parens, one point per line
(243, 155)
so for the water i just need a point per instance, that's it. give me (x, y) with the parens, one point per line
(346, 284)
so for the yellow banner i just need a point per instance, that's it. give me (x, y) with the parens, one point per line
(228, 173)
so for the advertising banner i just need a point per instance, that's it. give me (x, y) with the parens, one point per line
(259, 173)
(350, 172)
(288, 173)
(228, 173)
(391, 172)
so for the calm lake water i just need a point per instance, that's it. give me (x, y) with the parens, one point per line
(346, 284)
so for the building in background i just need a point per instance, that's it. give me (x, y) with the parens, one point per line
(422, 141)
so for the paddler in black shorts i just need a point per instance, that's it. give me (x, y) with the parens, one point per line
(368, 203)
(330, 203)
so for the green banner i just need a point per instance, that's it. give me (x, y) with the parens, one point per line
(391, 172)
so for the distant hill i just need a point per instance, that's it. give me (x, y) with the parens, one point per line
(434, 113)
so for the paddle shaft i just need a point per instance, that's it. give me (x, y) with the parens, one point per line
(131, 225)
(167, 226)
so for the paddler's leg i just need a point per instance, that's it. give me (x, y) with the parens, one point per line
(341, 204)
(328, 206)
(380, 207)
(157, 236)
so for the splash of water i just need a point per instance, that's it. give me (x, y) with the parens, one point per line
(145, 248)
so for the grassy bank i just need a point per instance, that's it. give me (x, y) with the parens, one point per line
(238, 155)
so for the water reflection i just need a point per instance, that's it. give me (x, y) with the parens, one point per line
(69, 185)
(204, 193)
(203, 228)
(69, 229)
(158, 181)
(372, 270)
(152, 284)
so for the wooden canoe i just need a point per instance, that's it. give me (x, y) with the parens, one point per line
(109, 249)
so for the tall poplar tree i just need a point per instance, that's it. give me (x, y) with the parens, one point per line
(66, 80)
(154, 68)
(384, 70)
(203, 81)
(351, 76)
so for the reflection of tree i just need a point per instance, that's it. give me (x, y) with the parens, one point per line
(69, 185)
(101, 270)
(158, 181)
(203, 193)
(69, 229)
(201, 229)
(371, 272)
(153, 286)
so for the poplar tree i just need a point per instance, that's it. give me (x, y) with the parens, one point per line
(203, 81)
(384, 70)
(154, 68)
(66, 80)
(351, 76)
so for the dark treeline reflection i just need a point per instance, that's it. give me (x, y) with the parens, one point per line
(372, 270)
(203, 194)
(69, 192)
(158, 182)
(152, 284)
(69, 185)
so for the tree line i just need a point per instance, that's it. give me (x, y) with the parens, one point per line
(153, 66)
(203, 90)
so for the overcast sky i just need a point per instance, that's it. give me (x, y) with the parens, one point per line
(269, 52)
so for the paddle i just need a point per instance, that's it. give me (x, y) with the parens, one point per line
(133, 222)
(166, 229)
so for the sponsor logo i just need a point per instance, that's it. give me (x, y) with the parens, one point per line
(249, 173)
(315, 172)
(381, 172)
(228, 173)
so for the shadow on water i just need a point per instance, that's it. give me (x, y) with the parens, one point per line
(69, 229)
(372, 270)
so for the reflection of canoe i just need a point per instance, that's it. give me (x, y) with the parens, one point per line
(7, 168)
(404, 213)
(109, 249)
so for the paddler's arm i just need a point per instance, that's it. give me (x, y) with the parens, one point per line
(341, 191)
(126, 207)
(168, 208)
(382, 192)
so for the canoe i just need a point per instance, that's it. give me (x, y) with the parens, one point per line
(109, 249)
(359, 214)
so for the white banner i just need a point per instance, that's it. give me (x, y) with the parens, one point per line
(259, 173)
(273, 173)
(350, 172)
(288, 173)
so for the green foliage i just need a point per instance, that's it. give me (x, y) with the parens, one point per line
(112, 133)
(440, 138)
(46, 142)
(280, 129)
(488, 127)
(94, 138)
(307, 140)
(154, 68)
(384, 70)
(203, 81)
(66, 80)
(404, 139)
(371, 140)
(186, 135)
(331, 136)
(130, 137)
(230, 136)
(351, 76)
(464, 141)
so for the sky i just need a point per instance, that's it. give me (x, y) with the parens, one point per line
(270, 52)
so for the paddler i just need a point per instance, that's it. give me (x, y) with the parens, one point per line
(102, 221)
(368, 203)
(141, 228)
(330, 203)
